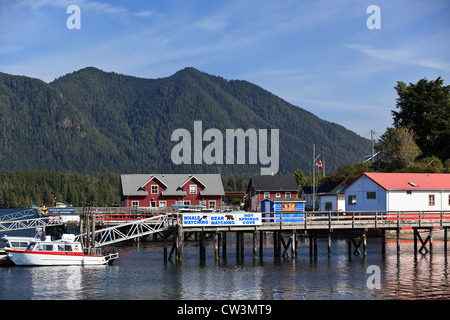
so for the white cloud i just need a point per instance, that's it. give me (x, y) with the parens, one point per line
(401, 56)
(144, 13)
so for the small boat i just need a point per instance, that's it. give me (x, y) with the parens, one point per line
(63, 252)
(20, 243)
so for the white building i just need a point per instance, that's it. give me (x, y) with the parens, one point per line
(399, 192)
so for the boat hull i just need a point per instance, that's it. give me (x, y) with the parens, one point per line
(32, 258)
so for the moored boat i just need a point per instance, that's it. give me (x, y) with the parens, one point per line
(20, 243)
(66, 252)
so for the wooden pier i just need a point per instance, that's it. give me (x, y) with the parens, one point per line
(285, 228)
(286, 234)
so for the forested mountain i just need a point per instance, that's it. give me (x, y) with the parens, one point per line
(92, 121)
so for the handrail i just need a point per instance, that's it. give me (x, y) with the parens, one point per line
(12, 225)
(355, 219)
(134, 229)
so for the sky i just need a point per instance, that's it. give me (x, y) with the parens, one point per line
(324, 56)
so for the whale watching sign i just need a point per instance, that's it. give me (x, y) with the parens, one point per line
(221, 219)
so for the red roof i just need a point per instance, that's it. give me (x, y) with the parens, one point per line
(411, 181)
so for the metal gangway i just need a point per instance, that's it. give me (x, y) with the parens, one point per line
(12, 225)
(122, 232)
(28, 213)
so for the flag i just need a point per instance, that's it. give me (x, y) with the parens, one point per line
(319, 164)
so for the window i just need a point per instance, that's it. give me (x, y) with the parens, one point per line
(431, 199)
(192, 189)
(212, 204)
(45, 247)
(163, 204)
(154, 189)
(287, 194)
(278, 195)
(135, 204)
(187, 203)
(328, 206)
(266, 195)
(153, 204)
(371, 195)
(351, 200)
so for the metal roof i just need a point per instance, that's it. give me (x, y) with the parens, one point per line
(132, 184)
(274, 183)
(411, 181)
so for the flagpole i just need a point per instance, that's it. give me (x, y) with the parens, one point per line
(314, 175)
(314, 178)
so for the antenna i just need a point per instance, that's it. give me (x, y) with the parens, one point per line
(371, 139)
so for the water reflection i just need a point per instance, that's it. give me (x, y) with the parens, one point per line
(46, 281)
(141, 273)
(409, 276)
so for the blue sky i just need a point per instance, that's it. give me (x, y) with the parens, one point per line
(315, 54)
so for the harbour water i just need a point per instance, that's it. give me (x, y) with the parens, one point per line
(141, 273)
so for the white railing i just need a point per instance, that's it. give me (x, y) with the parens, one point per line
(126, 231)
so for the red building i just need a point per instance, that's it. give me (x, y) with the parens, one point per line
(267, 187)
(165, 190)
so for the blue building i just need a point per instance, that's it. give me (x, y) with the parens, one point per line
(289, 209)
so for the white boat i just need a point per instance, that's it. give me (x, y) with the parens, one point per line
(14, 242)
(64, 252)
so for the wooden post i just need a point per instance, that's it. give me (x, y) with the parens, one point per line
(165, 245)
(179, 253)
(294, 243)
(445, 241)
(364, 243)
(431, 239)
(255, 251)
(202, 245)
(349, 243)
(238, 245)
(224, 245)
(275, 244)
(398, 241)
(415, 242)
(329, 243)
(315, 243)
(261, 243)
(242, 244)
(216, 246)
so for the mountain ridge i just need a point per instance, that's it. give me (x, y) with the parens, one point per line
(91, 121)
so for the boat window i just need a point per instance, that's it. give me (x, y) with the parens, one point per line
(67, 247)
(61, 247)
(45, 247)
(31, 246)
(18, 244)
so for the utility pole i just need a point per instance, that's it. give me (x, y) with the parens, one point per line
(371, 139)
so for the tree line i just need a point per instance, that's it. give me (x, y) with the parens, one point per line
(418, 142)
(20, 189)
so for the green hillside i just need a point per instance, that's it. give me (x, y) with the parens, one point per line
(92, 121)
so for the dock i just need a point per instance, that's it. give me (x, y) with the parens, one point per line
(286, 229)
(104, 226)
